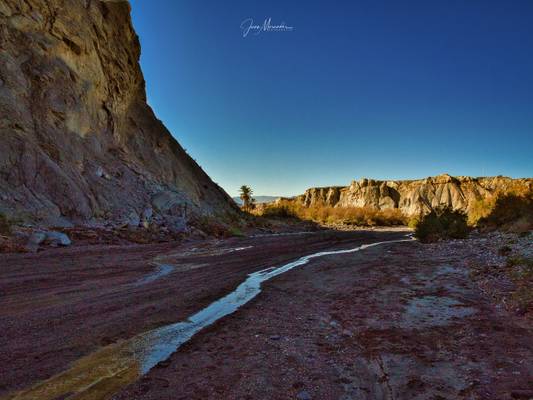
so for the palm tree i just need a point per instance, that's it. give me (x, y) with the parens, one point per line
(246, 197)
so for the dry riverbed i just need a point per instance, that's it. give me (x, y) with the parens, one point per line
(396, 321)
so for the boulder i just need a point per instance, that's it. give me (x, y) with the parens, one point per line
(177, 224)
(34, 241)
(55, 238)
(170, 202)
(36, 238)
(133, 220)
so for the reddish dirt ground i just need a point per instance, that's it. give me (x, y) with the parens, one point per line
(61, 304)
(392, 322)
(389, 322)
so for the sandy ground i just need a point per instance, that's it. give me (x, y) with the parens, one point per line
(400, 321)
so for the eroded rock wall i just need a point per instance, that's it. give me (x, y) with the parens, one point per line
(78, 142)
(413, 197)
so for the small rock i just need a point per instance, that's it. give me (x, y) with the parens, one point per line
(57, 239)
(101, 173)
(176, 224)
(303, 395)
(133, 220)
(35, 239)
(147, 214)
(275, 337)
(146, 217)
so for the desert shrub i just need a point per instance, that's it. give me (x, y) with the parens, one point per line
(412, 222)
(277, 211)
(357, 216)
(235, 231)
(509, 211)
(213, 225)
(481, 209)
(442, 223)
(507, 206)
(5, 225)
(391, 216)
(366, 216)
(524, 261)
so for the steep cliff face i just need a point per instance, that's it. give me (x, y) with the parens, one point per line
(412, 196)
(78, 142)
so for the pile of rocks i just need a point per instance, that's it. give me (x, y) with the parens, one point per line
(501, 265)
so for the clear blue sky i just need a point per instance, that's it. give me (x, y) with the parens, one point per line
(381, 89)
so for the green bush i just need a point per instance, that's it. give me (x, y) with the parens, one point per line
(413, 222)
(236, 231)
(442, 223)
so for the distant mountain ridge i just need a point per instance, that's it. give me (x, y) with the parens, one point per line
(413, 196)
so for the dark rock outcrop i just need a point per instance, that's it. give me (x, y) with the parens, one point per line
(78, 142)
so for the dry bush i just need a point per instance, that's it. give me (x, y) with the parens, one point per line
(217, 226)
(282, 209)
(482, 209)
(508, 211)
(357, 216)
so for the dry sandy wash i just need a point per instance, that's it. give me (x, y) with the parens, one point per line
(395, 321)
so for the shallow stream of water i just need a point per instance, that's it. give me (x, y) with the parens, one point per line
(106, 371)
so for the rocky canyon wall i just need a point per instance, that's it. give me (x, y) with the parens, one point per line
(413, 197)
(78, 142)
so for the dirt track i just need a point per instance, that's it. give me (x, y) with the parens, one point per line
(388, 322)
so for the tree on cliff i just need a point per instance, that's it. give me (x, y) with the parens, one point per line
(246, 197)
